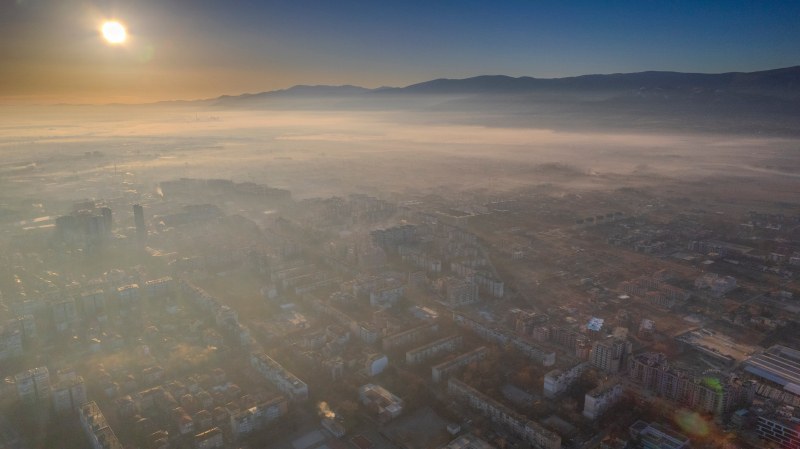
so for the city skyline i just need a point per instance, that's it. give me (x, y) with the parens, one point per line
(54, 51)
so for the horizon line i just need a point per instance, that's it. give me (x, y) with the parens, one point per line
(3, 100)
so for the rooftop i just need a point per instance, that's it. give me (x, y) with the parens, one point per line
(778, 364)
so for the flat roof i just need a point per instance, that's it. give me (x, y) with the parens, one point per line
(778, 364)
(718, 343)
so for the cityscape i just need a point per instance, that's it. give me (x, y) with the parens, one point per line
(577, 261)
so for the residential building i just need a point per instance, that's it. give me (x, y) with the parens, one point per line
(780, 426)
(410, 336)
(444, 369)
(10, 341)
(557, 381)
(611, 354)
(382, 402)
(433, 349)
(96, 428)
(375, 364)
(601, 398)
(502, 337)
(459, 292)
(69, 394)
(33, 385)
(253, 418)
(530, 431)
(283, 380)
(709, 392)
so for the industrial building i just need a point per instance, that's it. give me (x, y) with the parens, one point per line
(778, 365)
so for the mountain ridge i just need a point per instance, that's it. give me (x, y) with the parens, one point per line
(784, 80)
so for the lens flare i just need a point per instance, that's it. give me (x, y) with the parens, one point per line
(692, 423)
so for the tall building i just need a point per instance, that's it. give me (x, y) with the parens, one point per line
(107, 219)
(600, 399)
(69, 394)
(709, 392)
(87, 226)
(11, 337)
(97, 430)
(611, 355)
(138, 220)
(33, 385)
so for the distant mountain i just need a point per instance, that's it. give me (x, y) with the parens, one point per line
(762, 102)
(295, 92)
(785, 80)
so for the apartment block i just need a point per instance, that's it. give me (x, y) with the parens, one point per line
(33, 385)
(503, 338)
(709, 392)
(256, 417)
(410, 336)
(284, 381)
(96, 427)
(558, 380)
(434, 349)
(442, 370)
(779, 427)
(68, 394)
(611, 355)
(530, 431)
(601, 398)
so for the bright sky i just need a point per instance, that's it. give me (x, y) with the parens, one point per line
(52, 50)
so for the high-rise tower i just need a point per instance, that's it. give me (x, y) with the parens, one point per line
(138, 220)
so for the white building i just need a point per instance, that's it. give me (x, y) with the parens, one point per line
(557, 381)
(284, 380)
(375, 364)
(246, 421)
(601, 398)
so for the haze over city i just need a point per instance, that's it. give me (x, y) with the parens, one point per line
(418, 225)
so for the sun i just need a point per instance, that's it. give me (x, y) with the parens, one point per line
(114, 32)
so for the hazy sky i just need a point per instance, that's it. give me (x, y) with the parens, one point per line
(51, 50)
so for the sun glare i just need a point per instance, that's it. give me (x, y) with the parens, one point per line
(114, 32)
